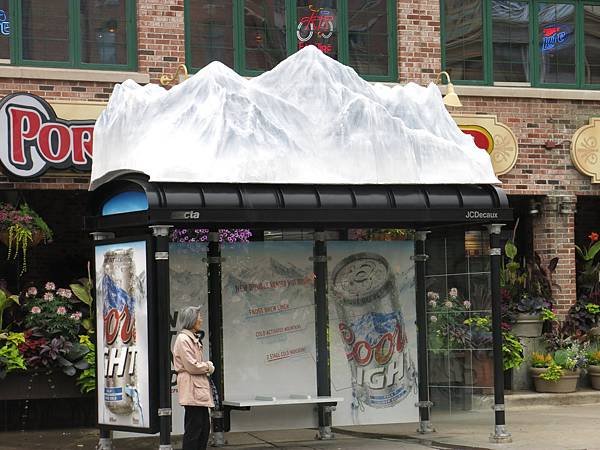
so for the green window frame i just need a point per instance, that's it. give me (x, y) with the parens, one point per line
(534, 53)
(239, 44)
(75, 36)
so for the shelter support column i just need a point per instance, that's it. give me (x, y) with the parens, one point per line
(500, 433)
(163, 302)
(321, 333)
(215, 333)
(424, 404)
(105, 440)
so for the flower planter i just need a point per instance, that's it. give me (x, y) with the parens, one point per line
(566, 383)
(38, 385)
(594, 372)
(528, 325)
(36, 236)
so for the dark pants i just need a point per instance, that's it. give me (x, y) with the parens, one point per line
(196, 428)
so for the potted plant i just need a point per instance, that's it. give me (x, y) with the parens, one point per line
(593, 357)
(556, 372)
(20, 228)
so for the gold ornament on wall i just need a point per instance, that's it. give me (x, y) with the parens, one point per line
(585, 149)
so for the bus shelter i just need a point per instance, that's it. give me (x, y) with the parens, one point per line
(222, 152)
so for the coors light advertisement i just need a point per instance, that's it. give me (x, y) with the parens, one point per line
(122, 348)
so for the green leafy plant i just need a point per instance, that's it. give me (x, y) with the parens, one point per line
(548, 314)
(5, 302)
(512, 351)
(87, 378)
(23, 227)
(553, 372)
(83, 291)
(10, 357)
(588, 275)
(594, 357)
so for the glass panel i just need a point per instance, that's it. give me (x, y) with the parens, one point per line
(510, 34)
(45, 30)
(264, 28)
(368, 36)
(317, 25)
(104, 32)
(464, 39)
(591, 39)
(5, 30)
(557, 42)
(211, 32)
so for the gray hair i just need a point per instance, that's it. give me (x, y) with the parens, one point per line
(187, 317)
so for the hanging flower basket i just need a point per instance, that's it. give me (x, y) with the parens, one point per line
(21, 228)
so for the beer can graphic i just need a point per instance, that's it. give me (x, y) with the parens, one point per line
(372, 329)
(118, 293)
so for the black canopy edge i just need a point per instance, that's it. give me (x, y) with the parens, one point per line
(264, 206)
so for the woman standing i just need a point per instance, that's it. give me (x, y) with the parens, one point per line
(192, 380)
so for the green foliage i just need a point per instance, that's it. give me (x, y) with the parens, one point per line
(10, 357)
(548, 314)
(87, 378)
(5, 302)
(512, 351)
(594, 357)
(552, 373)
(592, 308)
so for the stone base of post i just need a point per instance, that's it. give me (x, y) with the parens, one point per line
(500, 435)
(325, 434)
(425, 427)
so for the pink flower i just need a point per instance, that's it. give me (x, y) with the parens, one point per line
(61, 310)
(453, 293)
(467, 304)
(50, 286)
(31, 292)
(48, 296)
(36, 310)
(76, 316)
(66, 293)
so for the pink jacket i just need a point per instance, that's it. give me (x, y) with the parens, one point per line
(192, 373)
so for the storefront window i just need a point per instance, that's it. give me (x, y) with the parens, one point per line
(4, 32)
(464, 39)
(45, 30)
(265, 33)
(368, 36)
(591, 31)
(211, 32)
(510, 30)
(317, 25)
(557, 43)
(103, 32)
(268, 31)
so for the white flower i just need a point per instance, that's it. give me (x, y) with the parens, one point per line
(467, 304)
(433, 319)
(448, 304)
(76, 316)
(432, 303)
(453, 293)
(50, 286)
(48, 296)
(433, 296)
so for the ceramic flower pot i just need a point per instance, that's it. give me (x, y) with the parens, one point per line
(566, 383)
(594, 372)
(528, 325)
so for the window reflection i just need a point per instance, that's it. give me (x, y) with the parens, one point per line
(103, 32)
(557, 42)
(317, 25)
(45, 30)
(264, 31)
(211, 32)
(591, 25)
(5, 29)
(368, 36)
(510, 31)
(464, 39)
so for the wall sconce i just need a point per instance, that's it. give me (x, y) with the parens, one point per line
(566, 206)
(451, 98)
(181, 74)
(534, 208)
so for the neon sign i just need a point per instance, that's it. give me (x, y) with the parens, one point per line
(4, 23)
(555, 36)
(320, 21)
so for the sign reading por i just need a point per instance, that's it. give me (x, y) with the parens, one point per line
(33, 139)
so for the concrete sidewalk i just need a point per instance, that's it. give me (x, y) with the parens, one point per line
(563, 427)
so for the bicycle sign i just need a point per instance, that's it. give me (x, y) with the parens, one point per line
(320, 21)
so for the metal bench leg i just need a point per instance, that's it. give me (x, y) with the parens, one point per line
(325, 422)
(105, 441)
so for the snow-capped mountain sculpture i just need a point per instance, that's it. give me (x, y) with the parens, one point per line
(310, 120)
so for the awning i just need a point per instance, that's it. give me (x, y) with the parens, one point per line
(264, 206)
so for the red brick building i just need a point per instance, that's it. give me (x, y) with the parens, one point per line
(541, 85)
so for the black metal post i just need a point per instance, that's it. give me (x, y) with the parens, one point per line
(424, 404)
(163, 324)
(105, 440)
(500, 433)
(215, 315)
(321, 332)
